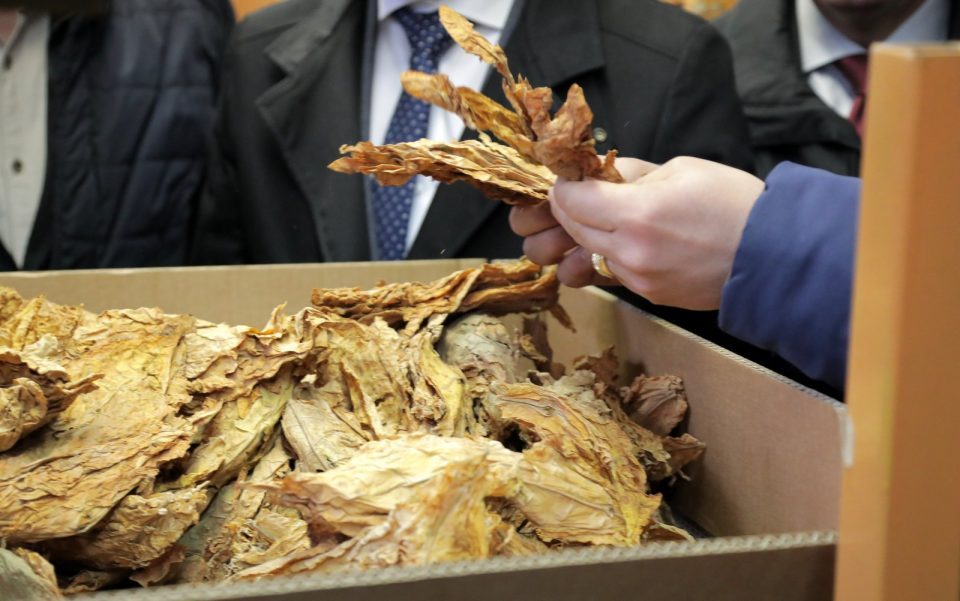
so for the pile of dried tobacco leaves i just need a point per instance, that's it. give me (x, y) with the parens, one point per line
(398, 426)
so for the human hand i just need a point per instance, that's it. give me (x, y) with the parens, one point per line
(547, 243)
(669, 233)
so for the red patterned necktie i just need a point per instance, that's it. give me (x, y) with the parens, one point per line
(854, 68)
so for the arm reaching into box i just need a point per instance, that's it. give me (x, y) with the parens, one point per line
(777, 260)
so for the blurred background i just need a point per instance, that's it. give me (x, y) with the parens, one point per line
(705, 8)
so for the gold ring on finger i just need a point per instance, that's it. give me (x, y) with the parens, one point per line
(600, 266)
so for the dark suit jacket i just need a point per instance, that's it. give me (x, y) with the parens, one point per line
(788, 121)
(130, 106)
(659, 80)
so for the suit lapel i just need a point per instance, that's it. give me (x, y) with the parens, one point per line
(953, 32)
(551, 45)
(312, 110)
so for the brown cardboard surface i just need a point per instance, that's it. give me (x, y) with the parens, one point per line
(236, 295)
(772, 464)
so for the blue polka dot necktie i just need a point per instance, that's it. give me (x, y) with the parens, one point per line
(391, 204)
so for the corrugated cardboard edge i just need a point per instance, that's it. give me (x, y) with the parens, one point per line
(846, 424)
(501, 565)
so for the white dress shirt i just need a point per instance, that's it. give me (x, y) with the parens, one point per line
(392, 57)
(821, 45)
(23, 130)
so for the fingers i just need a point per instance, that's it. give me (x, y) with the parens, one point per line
(549, 246)
(576, 270)
(526, 221)
(634, 169)
(592, 203)
(596, 240)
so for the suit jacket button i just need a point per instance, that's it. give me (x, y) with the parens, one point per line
(599, 134)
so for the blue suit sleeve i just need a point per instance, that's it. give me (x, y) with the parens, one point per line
(790, 287)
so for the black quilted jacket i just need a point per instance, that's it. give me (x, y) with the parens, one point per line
(131, 102)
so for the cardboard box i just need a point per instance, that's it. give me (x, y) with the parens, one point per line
(767, 488)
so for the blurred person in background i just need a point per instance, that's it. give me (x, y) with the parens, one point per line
(104, 122)
(801, 68)
(303, 77)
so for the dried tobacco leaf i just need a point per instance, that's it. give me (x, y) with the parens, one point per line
(483, 349)
(34, 390)
(480, 346)
(391, 382)
(367, 365)
(565, 142)
(584, 483)
(605, 368)
(159, 569)
(406, 501)
(438, 398)
(683, 449)
(24, 322)
(535, 346)
(384, 474)
(243, 379)
(506, 541)
(140, 530)
(110, 440)
(238, 433)
(496, 288)
(88, 581)
(477, 111)
(194, 566)
(26, 575)
(320, 426)
(658, 531)
(462, 32)
(538, 145)
(657, 403)
(241, 529)
(498, 171)
(239, 387)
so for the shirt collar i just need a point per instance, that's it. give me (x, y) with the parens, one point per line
(490, 13)
(25, 21)
(18, 26)
(821, 44)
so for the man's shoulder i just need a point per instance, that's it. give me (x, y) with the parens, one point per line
(274, 20)
(651, 24)
(756, 21)
(132, 8)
